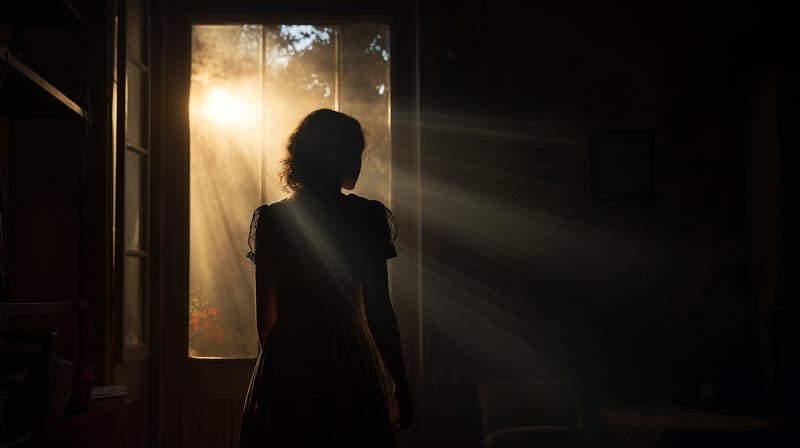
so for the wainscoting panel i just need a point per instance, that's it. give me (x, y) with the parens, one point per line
(207, 424)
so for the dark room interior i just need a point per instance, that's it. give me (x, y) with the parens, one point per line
(593, 201)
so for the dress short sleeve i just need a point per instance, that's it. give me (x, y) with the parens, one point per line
(389, 232)
(259, 217)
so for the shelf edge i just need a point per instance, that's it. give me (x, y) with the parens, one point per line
(8, 309)
(34, 77)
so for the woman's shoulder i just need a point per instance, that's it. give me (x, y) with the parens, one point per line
(376, 215)
(366, 204)
(265, 213)
(280, 203)
(271, 207)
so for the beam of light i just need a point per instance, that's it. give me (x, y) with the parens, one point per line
(522, 270)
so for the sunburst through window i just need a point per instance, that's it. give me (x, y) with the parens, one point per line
(250, 86)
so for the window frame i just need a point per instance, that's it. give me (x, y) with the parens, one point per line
(266, 20)
(131, 352)
(181, 380)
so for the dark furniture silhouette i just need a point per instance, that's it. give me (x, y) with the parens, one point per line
(530, 413)
(673, 426)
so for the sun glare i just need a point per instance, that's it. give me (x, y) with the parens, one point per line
(222, 108)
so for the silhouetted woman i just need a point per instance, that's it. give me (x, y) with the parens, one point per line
(330, 371)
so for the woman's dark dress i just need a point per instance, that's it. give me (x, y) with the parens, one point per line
(319, 379)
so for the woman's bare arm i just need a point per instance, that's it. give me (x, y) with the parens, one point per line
(383, 325)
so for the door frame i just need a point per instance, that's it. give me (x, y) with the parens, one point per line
(175, 377)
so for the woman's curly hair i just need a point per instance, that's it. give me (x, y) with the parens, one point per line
(322, 151)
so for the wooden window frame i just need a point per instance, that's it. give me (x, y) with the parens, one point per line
(265, 21)
(127, 352)
(172, 77)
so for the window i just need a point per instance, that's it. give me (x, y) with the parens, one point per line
(131, 181)
(251, 84)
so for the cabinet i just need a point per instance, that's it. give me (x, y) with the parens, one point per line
(47, 81)
(56, 174)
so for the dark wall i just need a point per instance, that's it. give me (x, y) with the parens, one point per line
(526, 276)
(44, 205)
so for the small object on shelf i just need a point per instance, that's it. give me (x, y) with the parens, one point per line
(108, 391)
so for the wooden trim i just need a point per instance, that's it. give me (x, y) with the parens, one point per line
(196, 385)
(135, 253)
(119, 211)
(172, 213)
(272, 19)
(125, 352)
(138, 149)
(140, 65)
(135, 352)
(406, 295)
(213, 360)
(31, 309)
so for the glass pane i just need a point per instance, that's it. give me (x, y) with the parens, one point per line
(365, 94)
(135, 29)
(134, 164)
(242, 108)
(133, 315)
(300, 77)
(135, 106)
(225, 183)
